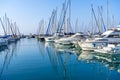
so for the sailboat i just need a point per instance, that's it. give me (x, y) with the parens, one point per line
(3, 42)
(50, 33)
(3, 39)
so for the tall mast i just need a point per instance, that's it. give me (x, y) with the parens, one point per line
(76, 26)
(3, 26)
(107, 15)
(99, 19)
(64, 23)
(70, 13)
(113, 21)
(92, 22)
(10, 25)
(95, 19)
(6, 24)
(15, 29)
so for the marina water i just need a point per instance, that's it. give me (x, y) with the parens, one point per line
(29, 59)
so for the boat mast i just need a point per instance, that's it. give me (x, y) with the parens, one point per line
(59, 22)
(99, 20)
(49, 24)
(76, 26)
(39, 27)
(10, 25)
(15, 29)
(107, 15)
(95, 19)
(3, 26)
(113, 21)
(6, 25)
(102, 21)
(70, 14)
(64, 15)
(55, 21)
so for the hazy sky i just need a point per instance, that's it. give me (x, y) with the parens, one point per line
(28, 13)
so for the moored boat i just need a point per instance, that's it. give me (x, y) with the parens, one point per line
(3, 42)
(113, 35)
(49, 39)
(70, 40)
(93, 43)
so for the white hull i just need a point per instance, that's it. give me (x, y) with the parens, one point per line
(49, 39)
(63, 42)
(113, 35)
(91, 45)
(70, 40)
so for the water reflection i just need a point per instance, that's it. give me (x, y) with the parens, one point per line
(112, 61)
(41, 48)
(58, 59)
(67, 49)
(7, 52)
(40, 59)
(2, 48)
(86, 56)
(61, 59)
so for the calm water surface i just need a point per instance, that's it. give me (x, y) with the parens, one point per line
(29, 59)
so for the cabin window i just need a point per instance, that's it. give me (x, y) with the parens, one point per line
(103, 36)
(94, 45)
(78, 36)
(114, 36)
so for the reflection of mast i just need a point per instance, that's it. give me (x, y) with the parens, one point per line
(56, 60)
(4, 64)
(53, 59)
(64, 72)
(40, 48)
(64, 58)
(9, 54)
(69, 57)
(13, 50)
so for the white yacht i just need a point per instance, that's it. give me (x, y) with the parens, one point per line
(49, 39)
(91, 44)
(113, 35)
(70, 40)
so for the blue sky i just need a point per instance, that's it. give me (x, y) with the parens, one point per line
(28, 13)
